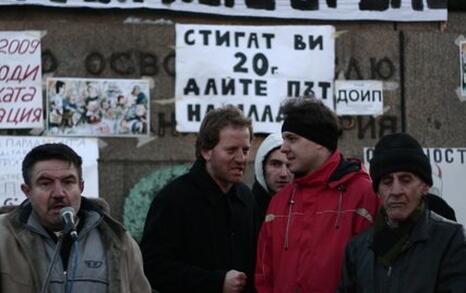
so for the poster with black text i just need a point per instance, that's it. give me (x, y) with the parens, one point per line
(252, 67)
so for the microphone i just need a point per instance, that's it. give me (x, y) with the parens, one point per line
(67, 215)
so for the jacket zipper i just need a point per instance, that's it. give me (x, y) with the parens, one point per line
(388, 282)
(340, 188)
(291, 202)
(65, 273)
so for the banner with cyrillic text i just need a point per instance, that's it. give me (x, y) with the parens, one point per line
(358, 97)
(252, 67)
(13, 149)
(20, 80)
(407, 10)
(448, 169)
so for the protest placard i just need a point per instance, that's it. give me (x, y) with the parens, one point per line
(253, 67)
(20, 80)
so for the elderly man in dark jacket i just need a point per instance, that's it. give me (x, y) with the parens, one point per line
(410, 248)
(200, 231)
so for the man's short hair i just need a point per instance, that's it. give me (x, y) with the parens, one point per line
(311, 119)
(214, 121)
(50, 151)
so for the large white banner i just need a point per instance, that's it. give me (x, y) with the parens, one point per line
(253, 67)
(448, 169)
(20, 80)
(14, 148)
(393, 10)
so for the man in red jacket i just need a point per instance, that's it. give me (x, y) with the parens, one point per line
(308, 223)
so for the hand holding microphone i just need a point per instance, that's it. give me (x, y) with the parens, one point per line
(67, 215)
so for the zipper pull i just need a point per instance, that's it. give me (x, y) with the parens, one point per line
(389, 273)
(65, 273)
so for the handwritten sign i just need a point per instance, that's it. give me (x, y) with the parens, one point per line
(20, 80)
(251, 67)
(359, 97)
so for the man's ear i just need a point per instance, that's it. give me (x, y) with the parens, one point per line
(425, 189)
(206, 154)
(81, 185)
(26, 190)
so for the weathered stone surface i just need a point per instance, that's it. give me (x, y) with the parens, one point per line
(456, 23)
(434, 112)
(365, 55)
(426, 74)
(111, 186)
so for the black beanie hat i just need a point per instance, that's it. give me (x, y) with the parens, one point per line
(325, 134)
(399, 152)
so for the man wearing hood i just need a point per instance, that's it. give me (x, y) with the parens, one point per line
(308, 223)
(271, 172)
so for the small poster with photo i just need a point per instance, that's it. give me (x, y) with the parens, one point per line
(463, 67)
(97, 107)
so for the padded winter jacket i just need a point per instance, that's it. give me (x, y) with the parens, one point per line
(433, 260)
(24, 261)
(308, 224)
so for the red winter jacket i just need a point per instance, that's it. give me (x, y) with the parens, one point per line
(308, 223)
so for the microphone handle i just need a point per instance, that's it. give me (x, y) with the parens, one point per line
(56, 252)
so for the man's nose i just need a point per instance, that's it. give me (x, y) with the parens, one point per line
(284, 148)
(284, 171)
(58, 189)
(240, 156)
(396, 188)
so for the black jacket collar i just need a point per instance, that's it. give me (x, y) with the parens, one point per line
(203, 179)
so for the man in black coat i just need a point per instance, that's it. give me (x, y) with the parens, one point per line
(200, 232)
(410, 248)
(438, 205)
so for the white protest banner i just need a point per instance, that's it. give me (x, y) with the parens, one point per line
(14, 148)
(448, 169)
(359, 97)
(385, 10)
(253, 67)
(20, 80)
(98, 107)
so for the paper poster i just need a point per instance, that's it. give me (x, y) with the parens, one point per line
(252, 67)
(448, 169)
(359, 97)
(20, 80)
(14, 148)
(97, 107)
(381, 10)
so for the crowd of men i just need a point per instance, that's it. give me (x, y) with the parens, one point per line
(314, 221)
